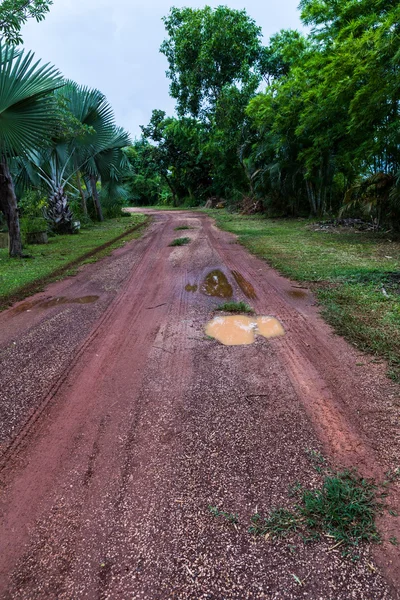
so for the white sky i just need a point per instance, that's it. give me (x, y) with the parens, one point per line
(113, 45)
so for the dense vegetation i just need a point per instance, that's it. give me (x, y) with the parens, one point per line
(308, 124)
(62, 157)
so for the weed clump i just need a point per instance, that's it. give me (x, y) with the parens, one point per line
(235, 307)
(344, 509)
(180, 241)
(181, 227)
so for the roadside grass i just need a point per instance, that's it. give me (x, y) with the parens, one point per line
(180, 241)
(61, 257)
(343, 509)
(355, 275)
(235, 307)
(181, 227)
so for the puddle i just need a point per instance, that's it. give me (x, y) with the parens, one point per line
(217, 284)
(191, 288)
(244, 285)
(238, 330)
(25, 306)
(297, 294)
(58, 301)
(269, 327)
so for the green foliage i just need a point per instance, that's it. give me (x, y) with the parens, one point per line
(183, 241)
(27, 108)
(344, 508)
(207, 50)
(15, 13)
(231, 518)
(235, 307)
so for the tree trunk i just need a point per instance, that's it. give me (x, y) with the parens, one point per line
(82, 193)
(8, 205)
(96, 200)
(311, 197)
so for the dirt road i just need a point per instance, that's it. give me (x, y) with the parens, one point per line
(121, 422)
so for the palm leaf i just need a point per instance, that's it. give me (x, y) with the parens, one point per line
(27, 110)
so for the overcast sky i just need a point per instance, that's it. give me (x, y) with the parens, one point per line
(113, 45)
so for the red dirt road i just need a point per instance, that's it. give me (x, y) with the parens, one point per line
(121, 422)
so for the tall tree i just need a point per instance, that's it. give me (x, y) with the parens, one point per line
(208, 49)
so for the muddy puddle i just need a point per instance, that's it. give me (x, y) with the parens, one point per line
(216, 284)
(297, 293)
(239, 330)
(244, 285)
(58, 301)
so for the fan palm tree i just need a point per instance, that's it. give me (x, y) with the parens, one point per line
(27, 117)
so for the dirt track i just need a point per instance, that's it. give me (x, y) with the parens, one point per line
(121, 422)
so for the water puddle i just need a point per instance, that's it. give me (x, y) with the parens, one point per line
(297, 294)
(191, 288)
(244, 285)
(238, 330)
(63, 300)
(58, 301)
(25, 306)
(217, 284)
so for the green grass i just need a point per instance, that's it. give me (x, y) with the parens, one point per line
(355, 275)
(181, 227)
(20, 278)
(344, 508)
(180, 241)
(235, 307)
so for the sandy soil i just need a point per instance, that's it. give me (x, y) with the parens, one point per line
(121, 422)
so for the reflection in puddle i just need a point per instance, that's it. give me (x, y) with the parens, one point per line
(217, 284)
(238, 330)
(244, 285)
(191, 288)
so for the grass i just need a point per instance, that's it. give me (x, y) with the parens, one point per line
(181, 227)
(235, 307)
(343, 509)
(180, 241)
(355, 275)
(59, 258)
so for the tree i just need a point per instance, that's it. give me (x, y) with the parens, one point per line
(208, 49)
(14, 13)
(28, 112)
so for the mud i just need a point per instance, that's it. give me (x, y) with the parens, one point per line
(246, 287)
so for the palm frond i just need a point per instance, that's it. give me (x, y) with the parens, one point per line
(27, 110)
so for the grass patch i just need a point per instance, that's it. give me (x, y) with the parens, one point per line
(235, 307)
(182, 227)
(355, 275)
(344, 508)
(232, 518)
(59, 258)
(180, 241)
